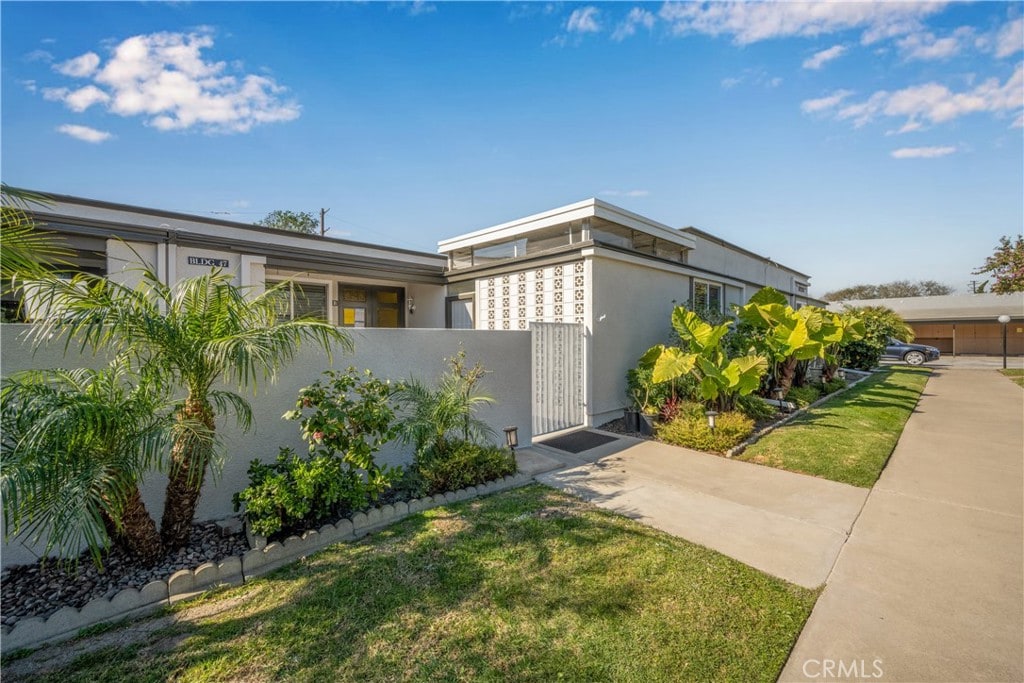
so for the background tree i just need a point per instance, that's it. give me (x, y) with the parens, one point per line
(880, 323)
(1006, 265)
(896, 289)
(295, 221)
(189, 337)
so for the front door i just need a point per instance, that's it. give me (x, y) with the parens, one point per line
(365, 306)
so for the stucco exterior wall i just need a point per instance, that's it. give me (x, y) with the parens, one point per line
(632, 308)
(754, 273)
(390, 354)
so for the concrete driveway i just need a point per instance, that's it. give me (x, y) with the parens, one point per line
(789, 525)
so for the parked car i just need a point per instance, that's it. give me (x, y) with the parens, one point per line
(911, 354)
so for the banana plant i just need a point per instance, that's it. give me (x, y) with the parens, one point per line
(721, 379)
(838, 329)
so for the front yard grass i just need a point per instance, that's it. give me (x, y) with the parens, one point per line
(530, 585)
(849, 438)
(1016, 376)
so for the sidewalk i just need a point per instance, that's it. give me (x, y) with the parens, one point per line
(789, 525)
(930, 584)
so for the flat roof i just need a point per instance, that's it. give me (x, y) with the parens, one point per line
(736, 247)
(588, 208)
(63, 212)
(950, 307)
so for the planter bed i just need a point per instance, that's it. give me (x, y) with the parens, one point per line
(55, 602)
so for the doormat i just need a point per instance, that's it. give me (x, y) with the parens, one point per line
(580, 441)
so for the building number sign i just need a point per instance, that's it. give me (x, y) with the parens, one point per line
(207, 261)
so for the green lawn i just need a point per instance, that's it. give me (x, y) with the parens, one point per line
(529, 585)
(849, 438)
(1016, 376)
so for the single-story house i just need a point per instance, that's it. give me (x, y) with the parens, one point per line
(612, 276)
(352, 284)
(615, 274)
(960, 323)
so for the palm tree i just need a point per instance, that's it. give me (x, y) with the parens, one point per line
(434, 416)
(24, 249)
(190, 336)
(76, 444)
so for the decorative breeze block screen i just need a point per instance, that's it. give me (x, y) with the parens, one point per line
(552, 294)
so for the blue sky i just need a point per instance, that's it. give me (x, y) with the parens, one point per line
(856, 142)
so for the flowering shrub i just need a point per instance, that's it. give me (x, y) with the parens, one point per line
(345, 418)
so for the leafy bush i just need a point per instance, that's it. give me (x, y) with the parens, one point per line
(296, 491)
(647, 396)
(755, 408)
(880, 323)
(345, 419)
(690, 430)
(834, 385)
(463, 464)
(804, 396)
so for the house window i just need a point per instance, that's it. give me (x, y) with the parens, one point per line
(707, 296)
(300, 299)
(370, 306)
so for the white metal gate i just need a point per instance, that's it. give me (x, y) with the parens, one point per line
(558, 373)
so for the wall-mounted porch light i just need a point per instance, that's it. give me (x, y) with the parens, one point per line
(711, 415)
(411, 303)
(511, 438)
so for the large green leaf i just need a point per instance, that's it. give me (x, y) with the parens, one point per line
(744, 373)
(698, 334)
(767, 296)
(708, 389)
(672, 363)
(650, 356)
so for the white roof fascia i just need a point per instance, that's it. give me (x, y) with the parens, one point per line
(227, 234)
(589, 208)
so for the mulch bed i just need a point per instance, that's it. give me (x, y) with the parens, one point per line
(40, 589)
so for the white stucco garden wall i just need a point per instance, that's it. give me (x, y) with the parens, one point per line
(390, 354)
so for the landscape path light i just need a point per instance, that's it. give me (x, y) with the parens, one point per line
(511, 438)
(1004, 319)
(711, 415)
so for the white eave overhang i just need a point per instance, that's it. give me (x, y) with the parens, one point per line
(589, 208)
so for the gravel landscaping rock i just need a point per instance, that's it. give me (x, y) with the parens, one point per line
(39, 590)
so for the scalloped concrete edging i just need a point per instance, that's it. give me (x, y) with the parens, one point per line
(66, 622)
(757, 436)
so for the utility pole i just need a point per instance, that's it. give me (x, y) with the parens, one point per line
(323, 230)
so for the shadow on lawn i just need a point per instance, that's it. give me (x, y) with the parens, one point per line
(496, 554)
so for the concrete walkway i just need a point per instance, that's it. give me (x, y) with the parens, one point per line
(930, 585)
(789, 525)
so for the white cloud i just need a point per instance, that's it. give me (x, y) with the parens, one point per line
(921, 152)
(79, 67)
(83, 98)
(38, 56)
(164, 78)
(583, 20)
(29, 85)
(935, 103)
(822, 103)
(1010, 38)
(925, 46)
(84, 133)
(626, 193)
(55, 94)
(750, 22)
(731, 82)
(421, 7)
(753, 76)
(636, 17)
(819, 59)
